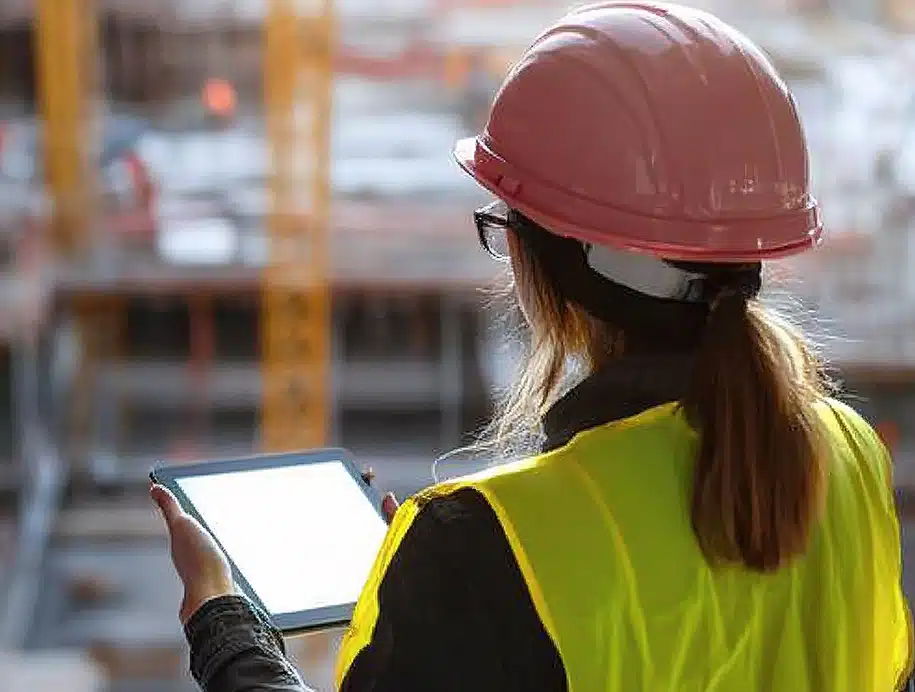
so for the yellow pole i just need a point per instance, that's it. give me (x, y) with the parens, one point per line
(65, 40)
(296, 298)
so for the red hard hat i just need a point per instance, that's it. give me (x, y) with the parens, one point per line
(650, 127)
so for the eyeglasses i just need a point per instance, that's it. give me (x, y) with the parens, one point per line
(492, 225)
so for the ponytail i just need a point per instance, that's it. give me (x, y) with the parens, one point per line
(760, 466)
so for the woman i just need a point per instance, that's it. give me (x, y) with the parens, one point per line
(701, 516)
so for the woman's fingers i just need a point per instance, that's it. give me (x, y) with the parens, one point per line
(389, 506)
(166, 503)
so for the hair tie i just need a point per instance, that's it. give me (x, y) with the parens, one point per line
(723, 295)
(746, 288)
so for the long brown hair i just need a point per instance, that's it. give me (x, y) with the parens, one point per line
(760, 462)
(760, 466)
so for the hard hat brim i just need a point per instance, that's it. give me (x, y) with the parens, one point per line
(713, 240)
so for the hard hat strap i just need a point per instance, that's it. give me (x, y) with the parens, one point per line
(646, 274)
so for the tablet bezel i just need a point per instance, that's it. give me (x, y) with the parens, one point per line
(298, 622)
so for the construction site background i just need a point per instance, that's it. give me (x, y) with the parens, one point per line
(232, 226)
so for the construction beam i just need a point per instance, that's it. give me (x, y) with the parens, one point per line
(296, 306)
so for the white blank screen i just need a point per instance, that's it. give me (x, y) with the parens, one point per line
(304, 536)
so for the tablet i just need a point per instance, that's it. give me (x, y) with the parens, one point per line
(301, 530)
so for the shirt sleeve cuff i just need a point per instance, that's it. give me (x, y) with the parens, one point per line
(225, 627)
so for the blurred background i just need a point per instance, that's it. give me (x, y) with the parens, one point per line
(231, 226)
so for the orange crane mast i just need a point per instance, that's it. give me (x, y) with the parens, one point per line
(295, 338)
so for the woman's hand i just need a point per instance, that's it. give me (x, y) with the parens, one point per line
(200, 563)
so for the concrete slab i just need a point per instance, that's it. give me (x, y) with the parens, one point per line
(140, 612)
(108, 524)
(50, 671)
(134, 685)
(160, 662)
(314, 655)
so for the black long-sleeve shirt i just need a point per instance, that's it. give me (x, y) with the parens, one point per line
(455, 612)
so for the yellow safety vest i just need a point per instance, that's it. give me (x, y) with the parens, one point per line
(601, 531)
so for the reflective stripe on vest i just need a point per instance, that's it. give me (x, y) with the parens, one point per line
(601, 531)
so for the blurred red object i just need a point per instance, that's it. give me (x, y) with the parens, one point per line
(219, 98)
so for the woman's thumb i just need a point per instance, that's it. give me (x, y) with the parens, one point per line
(166, 503)
(389, 506)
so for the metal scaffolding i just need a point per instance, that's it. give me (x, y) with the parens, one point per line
(64, 33)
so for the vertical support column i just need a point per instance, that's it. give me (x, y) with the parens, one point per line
(295, 345)
(66, 41)
(203, 350)
(64, 49)
(451, 375)
(97, 412)
(65, 37)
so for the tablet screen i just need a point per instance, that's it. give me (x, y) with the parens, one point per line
(303, 536)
